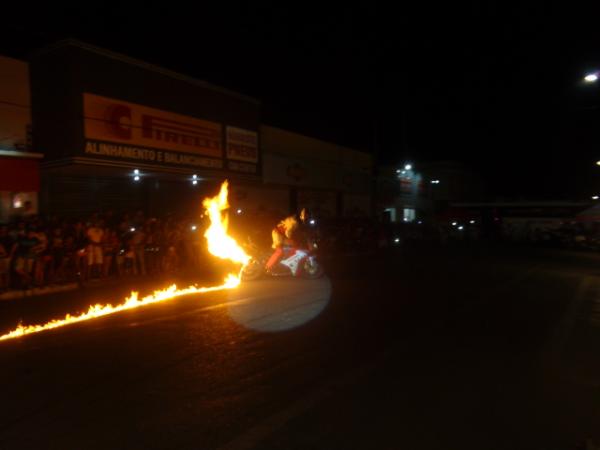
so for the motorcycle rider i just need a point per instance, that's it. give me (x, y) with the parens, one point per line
(285, 234)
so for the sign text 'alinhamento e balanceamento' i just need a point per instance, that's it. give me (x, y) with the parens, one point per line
(144, 154)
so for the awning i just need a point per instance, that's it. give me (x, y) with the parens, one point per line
(454, 213)
(19, 174)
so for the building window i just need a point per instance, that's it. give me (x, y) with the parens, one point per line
(409, 215)
(389, 214)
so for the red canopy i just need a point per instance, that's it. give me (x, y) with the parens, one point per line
(19, 174)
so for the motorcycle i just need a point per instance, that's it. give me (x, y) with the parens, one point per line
(296, 262)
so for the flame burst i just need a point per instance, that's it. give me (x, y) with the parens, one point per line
(220, 244)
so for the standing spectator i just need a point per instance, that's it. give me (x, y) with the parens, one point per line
(196, 245)
(110, 246)
(6, 247)
(73, 257)
(42, 256)
(57, 250)
(25, 257)
(80, 244)
(188, 249)
(94, 250)
(171, 257)
(138, 240)
(124, 235)
(129, 266)
(152, 247)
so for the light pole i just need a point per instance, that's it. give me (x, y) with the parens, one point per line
(592, 78)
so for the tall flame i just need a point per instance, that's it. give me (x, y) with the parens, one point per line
(220, 244)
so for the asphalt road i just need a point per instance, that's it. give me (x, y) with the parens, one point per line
(455, 348)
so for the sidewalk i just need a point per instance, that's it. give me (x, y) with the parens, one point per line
(109, 282)
(131, 282)
(34, 292)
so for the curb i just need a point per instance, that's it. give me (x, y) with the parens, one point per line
(11, 295)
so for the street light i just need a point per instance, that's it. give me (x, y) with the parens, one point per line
(408, 166)
(591, 78)
(595, 197)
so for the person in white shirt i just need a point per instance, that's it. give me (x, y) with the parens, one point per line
(94, 234)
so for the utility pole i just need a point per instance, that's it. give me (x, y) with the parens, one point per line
(375, 156)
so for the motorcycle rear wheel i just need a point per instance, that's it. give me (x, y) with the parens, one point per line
(251, 271)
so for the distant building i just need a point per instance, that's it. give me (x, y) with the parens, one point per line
(402, 195)
(329, 179)
(19, 163)
(419, 191)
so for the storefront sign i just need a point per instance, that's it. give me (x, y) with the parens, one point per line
(116, 129)
(242, 145)
(127, 123)
(119, 151)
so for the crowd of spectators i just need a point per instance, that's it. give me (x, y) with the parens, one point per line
(36, 252)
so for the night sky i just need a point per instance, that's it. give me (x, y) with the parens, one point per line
(494, 86)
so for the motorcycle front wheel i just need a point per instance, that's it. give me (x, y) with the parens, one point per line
(312, 269)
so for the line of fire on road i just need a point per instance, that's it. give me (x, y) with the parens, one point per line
(220, 244)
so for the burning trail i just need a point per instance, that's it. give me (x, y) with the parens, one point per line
(130, 302)
(220, 244)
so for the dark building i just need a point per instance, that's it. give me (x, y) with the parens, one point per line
(19, 161)
(402, 195)
(418, 190)
(121, 134)
(118, 133)
(328, 179)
